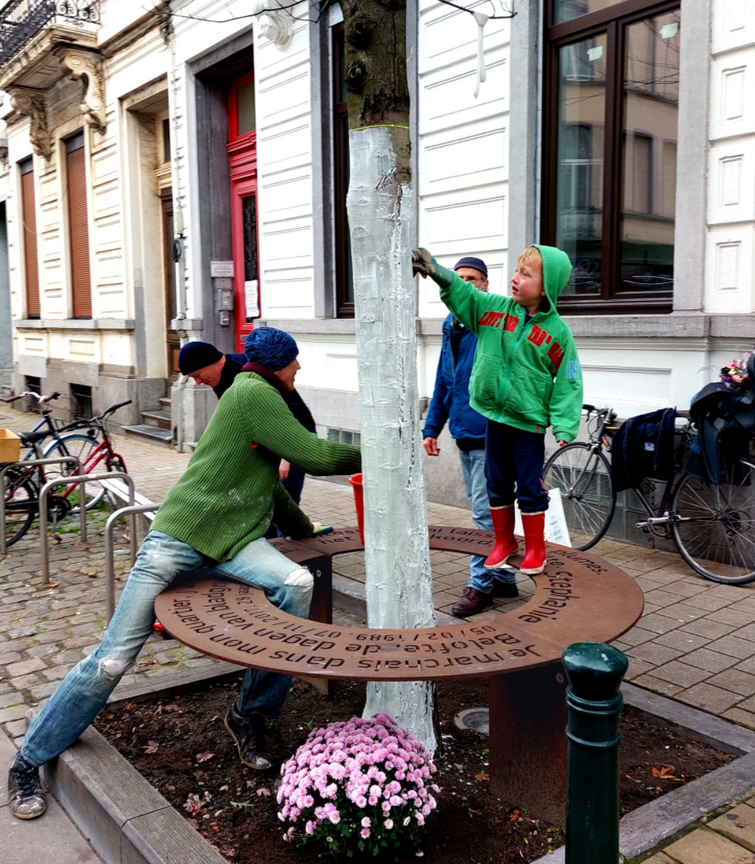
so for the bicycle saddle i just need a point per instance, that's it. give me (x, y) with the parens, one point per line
(29, 438)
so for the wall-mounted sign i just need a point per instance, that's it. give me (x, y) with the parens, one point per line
(221, 269)
(252, 292)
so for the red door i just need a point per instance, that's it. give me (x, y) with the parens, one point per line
(242, 154)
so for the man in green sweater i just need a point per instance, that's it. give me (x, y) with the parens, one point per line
(216, 516)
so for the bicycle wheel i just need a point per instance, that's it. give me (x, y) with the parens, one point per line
(21, 505)
(81, 446)
(716, 534)
(583, 477)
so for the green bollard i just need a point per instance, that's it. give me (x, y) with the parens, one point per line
(594, 672)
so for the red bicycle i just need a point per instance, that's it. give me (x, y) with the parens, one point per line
(22, 484)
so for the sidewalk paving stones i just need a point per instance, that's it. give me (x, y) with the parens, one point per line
(695, 641)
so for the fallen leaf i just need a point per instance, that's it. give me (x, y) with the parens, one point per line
(92, 573)
(481, 776)
(52, 584)
(265, 792)
(514, 815)
(666, 772)
(193, 805)
(203, 757)
(152, 747)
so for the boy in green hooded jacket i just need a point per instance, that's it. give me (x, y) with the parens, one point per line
(526, 377)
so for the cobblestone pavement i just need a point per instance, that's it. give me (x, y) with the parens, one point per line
(694, 643)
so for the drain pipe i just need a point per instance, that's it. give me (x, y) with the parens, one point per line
(178, 249)
(180, 271)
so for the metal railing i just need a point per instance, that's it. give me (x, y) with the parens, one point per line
(21, 20)
(26, 464)
(75, 480)
(110, 550)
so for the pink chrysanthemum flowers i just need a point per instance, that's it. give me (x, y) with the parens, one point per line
(349, 787)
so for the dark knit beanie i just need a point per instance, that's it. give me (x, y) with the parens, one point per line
(272, 348)
(474, 263)
(197, 355)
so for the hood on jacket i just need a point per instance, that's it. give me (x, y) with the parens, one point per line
(556, 271)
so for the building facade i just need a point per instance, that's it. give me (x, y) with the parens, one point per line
(87, 189)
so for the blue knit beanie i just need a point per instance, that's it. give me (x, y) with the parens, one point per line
(197, 355)
(272, 348)
(474, 263)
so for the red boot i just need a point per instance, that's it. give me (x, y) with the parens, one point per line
(534, 544)
(505, 544)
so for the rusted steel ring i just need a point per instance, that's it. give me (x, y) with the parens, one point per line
(578, 598)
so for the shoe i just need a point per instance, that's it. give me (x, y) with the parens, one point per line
(249, 735)
(26, 796)
(534, 544)
(504, 589)
(503, 530)
(472, 601)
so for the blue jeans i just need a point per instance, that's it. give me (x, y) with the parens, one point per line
(473, 472)
(514, 467)
(86, 688)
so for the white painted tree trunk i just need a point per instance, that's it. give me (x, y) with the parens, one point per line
(397, 557)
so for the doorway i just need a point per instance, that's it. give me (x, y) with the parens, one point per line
(242, 155)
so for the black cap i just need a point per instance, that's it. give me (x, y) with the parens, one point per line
(197, 355)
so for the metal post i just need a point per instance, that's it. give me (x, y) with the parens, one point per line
(109, 552)
(594, 672)
(71, 481)
(26, 463)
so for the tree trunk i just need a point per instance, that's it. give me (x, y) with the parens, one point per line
(380, 203)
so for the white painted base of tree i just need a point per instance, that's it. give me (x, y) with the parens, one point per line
(397, 556)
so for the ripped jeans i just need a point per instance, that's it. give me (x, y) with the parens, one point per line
(86, 688)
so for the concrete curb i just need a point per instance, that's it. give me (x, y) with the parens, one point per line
(128, 822)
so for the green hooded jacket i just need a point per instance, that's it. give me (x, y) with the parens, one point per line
(525, 375)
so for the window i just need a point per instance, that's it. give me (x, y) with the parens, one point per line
(33, 385)
(344, 276)
(165, 127)
(242, 117)
(81, 400)
(343, 436)
(78, 226)
(612, 86)
(31, 260)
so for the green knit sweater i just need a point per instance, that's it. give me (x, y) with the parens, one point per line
(230, 492)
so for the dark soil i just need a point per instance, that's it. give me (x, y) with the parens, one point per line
(180, 744)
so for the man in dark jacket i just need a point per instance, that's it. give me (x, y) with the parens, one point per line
(450, 403)
(202, 362)
(205, 364)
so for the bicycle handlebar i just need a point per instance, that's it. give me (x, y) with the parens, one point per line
(94, 421)
(38, 396)
(113, 408)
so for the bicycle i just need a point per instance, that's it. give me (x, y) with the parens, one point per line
(712, 525)
(22, 485)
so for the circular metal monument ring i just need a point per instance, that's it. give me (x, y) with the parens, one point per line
(578, 598)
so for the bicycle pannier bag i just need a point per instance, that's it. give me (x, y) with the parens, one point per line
(643, 447)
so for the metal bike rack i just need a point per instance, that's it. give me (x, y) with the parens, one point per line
(56, 460)
(110, 552)
(71, 481)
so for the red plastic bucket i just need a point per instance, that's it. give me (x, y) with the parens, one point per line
(356, 483)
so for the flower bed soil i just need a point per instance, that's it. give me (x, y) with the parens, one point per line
(180, 744)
